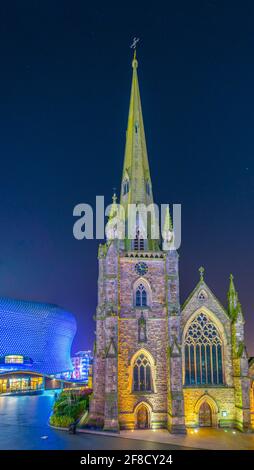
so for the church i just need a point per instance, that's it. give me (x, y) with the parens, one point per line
(159, 364)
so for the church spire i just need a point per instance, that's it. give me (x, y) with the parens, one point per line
(136, 181)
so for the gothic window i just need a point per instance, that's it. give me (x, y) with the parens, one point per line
(126, 186)
(138, 242)
(142, 375)
(203, 353)
(202, 295)
(141, 296)
(148, 188)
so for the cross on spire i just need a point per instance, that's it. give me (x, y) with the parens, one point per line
(201, 272)
(134, 43)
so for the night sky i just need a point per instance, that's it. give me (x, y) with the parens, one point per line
(65, 79)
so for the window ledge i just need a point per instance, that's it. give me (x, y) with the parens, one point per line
(206, 386)
(137, 307)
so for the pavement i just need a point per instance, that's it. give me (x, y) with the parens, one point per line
(200, 438)
(23, 425)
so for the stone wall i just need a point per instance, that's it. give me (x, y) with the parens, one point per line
(251, 375)
(252, 406)
(171, 404)
(215, 310)
(224, 401)
(233, 398)
(176, 419)
(155, 345)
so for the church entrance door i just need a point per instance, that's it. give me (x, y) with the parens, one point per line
(142, 417)
(205, 415)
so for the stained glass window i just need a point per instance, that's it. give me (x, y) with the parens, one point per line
(142, 375)
(203, 353)
(141, 296)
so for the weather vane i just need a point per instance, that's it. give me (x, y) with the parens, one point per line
(134, 43)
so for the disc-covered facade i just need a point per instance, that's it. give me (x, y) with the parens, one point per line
(35, 336)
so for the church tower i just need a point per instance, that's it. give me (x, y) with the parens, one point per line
(137, 373)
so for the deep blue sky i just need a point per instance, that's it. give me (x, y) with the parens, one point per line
(64, 92)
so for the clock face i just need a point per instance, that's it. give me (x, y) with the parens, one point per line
(141, 268)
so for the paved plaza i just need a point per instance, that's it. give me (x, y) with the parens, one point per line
(205, 438)
(24, 425)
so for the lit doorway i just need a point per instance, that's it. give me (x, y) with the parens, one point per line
(142, 417)
(205, 415)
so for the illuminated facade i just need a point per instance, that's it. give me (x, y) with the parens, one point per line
(157, 364)
(81, 365)
(251, 374)
(13, 382)
(35, 341)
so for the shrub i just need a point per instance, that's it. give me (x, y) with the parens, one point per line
(61, 421)
(69, 407)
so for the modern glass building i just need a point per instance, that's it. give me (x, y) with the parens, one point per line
(82, 362)
(35, 342)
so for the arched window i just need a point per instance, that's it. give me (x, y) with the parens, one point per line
(148, 188)
(142, 375)
(203, 353)
(125, 186)
(141, 296)
(139, 242)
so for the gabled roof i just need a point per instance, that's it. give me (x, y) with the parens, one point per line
(202, 285)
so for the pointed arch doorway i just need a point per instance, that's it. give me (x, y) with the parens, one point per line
(207, 411)
(205, 415)
(142, 417)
